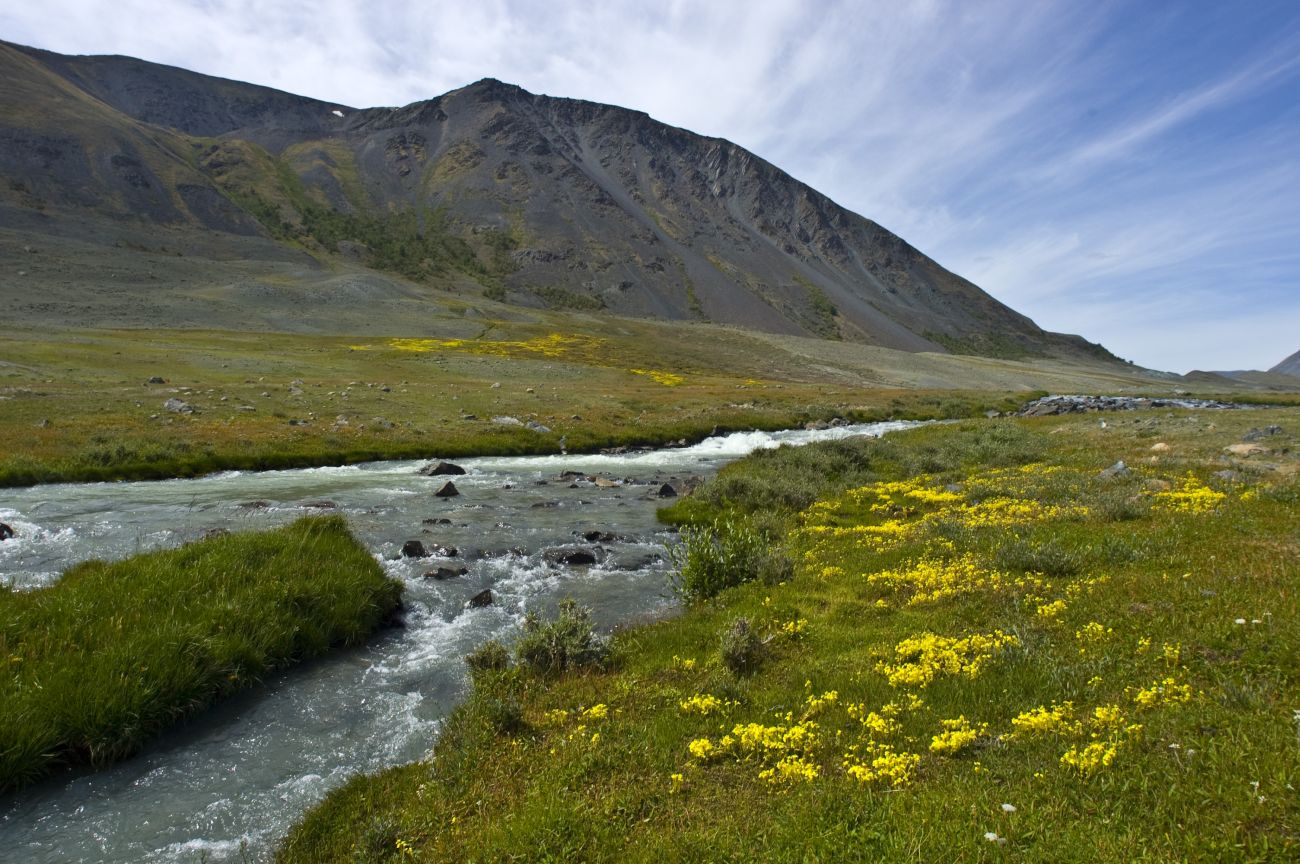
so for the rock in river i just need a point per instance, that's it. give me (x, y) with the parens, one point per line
(570, 556)
(447, 490)
(5, 531)
(443, 573)
(439, 469)
(413, 549)
(481, 599)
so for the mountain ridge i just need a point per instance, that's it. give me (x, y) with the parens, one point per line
(541, 201)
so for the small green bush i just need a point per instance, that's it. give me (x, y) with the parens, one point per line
(491, 656)
(741, 650)
(713, 558)
(569, 641)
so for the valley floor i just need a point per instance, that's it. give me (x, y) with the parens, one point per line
(972, 642)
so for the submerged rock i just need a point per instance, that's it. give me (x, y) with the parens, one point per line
(444, 573)
(413, 549)
(481, 599)
(570, 556)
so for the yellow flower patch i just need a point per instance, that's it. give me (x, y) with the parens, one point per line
(921, 659)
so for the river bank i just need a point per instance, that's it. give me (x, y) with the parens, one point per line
(994, 643)
(244, 771)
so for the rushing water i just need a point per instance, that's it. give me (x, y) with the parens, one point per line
(230, 783)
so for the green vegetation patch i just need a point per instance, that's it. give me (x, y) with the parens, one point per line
(987, 650)
(111, 654)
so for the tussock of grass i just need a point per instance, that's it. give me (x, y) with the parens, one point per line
(973, 664)
(111, 654)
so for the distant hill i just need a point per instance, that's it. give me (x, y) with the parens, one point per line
(487, 190)
(1289, 366)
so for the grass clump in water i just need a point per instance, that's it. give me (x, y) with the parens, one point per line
(114, 653)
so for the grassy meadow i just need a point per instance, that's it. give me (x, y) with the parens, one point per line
(112, 654)
(77, 405)
(959, 643)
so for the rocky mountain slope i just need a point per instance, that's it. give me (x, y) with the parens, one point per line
(1289, 366)
(487, 190)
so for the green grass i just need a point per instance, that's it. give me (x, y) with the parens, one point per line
(110, 655)
(1106, 588)
(75, 405)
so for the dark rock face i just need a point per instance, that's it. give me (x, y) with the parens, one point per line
(439, 469)
(6, 532)
(481, 599)
(621, 212)
(414, 549)
(666, 491)
(447, 490)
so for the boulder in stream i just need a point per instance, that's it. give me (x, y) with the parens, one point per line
(447, 490)
(570, 556)
(413, 549)
(440, 469)
(6, 532)
(481, 599)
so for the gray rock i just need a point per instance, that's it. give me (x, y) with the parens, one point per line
(1119, 469)
(481, 599)
(413, 549)
(507, 421)
(437, 521)
(1260, 434)
(438, 469)
(178, 406)
(534, 426)
(320, 504)
(447, 490)
(157, 379)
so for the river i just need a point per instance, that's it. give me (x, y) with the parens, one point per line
(230, 783)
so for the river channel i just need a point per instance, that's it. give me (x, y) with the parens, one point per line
(229, 784)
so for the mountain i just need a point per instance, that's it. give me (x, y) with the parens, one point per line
(1289, 366)
(487, 191)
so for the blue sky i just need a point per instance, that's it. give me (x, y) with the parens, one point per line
(1129, 171)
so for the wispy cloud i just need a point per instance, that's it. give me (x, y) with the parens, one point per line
(1125, 170)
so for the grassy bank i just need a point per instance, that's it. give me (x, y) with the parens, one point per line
(984, 650)
(110, 655)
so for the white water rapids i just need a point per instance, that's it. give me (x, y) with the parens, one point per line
(229, 784)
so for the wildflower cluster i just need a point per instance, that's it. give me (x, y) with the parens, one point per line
(1164, 692)
(957, 735)
(1191, 496)
(921, 659)
(881, 763)
(668, 379)
(703, 704)
(932, 579)
(1056, 720)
